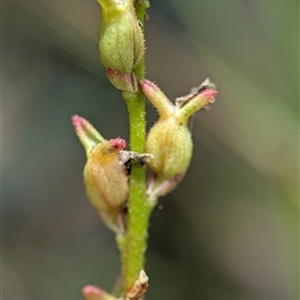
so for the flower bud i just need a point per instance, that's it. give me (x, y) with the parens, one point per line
(169, 140)
(121, 42)
(105, 178)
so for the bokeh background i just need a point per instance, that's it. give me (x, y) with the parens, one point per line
(231, 229)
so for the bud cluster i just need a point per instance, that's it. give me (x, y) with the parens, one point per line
(169, 143)
(169, 146)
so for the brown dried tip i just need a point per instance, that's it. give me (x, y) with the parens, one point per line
(139, 288)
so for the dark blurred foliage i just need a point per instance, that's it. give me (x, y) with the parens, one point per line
(230, 230)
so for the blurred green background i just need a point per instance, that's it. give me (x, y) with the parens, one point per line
(231, 229)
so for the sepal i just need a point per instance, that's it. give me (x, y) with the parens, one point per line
(87, 134)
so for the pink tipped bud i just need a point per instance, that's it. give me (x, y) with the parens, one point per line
(105, 178)
(169, 140)
(87, 134)
(91, 292)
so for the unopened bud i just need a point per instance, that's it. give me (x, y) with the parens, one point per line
(170, 143)
(169, 140)
(121, 42)
(105, 178)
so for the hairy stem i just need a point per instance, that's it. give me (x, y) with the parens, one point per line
(133, 245)
(133, 252)
(139, 209)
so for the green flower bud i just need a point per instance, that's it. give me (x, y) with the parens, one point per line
(105, 177)
(169, 140)
(121, 42)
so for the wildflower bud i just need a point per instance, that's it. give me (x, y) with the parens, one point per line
(169, 140)
(105, 178)
(121, 42)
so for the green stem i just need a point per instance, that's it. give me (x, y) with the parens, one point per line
(139, 209)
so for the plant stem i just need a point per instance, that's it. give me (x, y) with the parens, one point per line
(133, 252)
(139, 209)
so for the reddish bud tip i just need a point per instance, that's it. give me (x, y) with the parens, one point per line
(209, 94)
(88, 135)
(147, 84)
(90, 291)
(78, 122)
(163, 105)
(118, 143)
